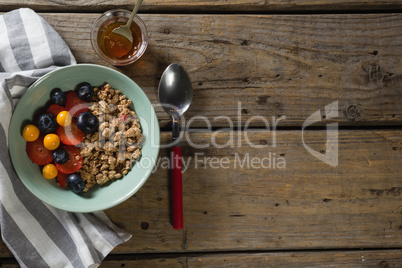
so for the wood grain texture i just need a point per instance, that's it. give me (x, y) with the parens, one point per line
(352, 259)
(308, 204)
(274, 65)
(206, 5)
(235, 201)
(268, 66)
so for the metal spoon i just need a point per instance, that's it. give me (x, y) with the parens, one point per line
(175, 94)
(125, 29)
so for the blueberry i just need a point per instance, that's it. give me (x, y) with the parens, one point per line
(60, 156)
(75, 183)
(87, 122)
(85, 91)
(58, 97)
(47, 123)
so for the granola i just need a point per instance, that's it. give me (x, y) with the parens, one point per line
(109, 153)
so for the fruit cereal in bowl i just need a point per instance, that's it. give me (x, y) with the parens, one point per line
(85, 137)
(82, 147)
(109, 153)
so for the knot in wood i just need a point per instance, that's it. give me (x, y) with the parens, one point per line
(263, 142)
(352, 112)
(384, 264)
(245, 111)
(396, 146)
(245, 43)
(374, 72)
(331, 79)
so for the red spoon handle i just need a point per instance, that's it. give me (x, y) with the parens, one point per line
(177, 188)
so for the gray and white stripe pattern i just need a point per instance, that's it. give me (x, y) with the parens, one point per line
(37, 234)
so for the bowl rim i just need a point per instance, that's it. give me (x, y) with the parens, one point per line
(155, 148)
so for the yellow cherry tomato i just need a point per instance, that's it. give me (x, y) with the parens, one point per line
(51, 141)
(49, 171)
(30, 133)
(64, 118)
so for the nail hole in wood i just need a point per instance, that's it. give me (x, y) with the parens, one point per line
(245, 43)
(144, 225)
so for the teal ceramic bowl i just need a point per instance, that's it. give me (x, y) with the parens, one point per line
(99, 198)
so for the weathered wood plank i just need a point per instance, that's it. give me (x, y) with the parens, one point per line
(151, 262)
(308, 204)
(233, 199)
(269, 66)
(206, 5)
(353, 259)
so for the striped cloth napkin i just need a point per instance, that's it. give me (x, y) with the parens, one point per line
(37, 234)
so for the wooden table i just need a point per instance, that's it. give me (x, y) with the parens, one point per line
(253, 63)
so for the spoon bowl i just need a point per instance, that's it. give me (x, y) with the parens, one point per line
(175, 91)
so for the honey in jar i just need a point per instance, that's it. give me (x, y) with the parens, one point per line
(116, 46)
